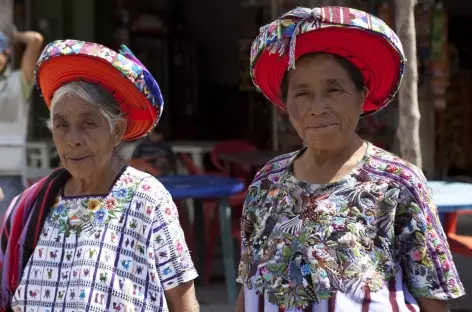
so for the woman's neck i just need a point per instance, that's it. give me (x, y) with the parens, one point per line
(325, 166)
(335, 156)
(97, 184)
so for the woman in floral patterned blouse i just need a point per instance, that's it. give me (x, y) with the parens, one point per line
(339, 225)
(95, 235)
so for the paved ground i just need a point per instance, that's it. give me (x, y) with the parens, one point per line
(213, 298)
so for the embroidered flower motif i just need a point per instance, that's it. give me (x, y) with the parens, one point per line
(96, 209)
(60, 209)
(110, 203)
(121, 193)
(94, 204)
(100, 215)
(179, 247)
(145, 187)
(128, 180)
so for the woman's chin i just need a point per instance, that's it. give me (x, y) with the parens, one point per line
(324, 140)
(80, 171)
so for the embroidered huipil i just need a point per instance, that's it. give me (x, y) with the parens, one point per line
(371, 242)
(117, 252)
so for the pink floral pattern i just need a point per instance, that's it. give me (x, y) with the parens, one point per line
(303, 242)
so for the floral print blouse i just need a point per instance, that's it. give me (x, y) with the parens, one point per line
(370, 241)
(117, 252)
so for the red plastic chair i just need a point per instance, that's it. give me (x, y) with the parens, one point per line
(233, 147)
(460, 244)
(211, 217)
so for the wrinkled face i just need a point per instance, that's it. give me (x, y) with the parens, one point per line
(83, 136)
(323, 102)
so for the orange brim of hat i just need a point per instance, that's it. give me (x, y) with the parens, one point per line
(58, 71)
(378, 61)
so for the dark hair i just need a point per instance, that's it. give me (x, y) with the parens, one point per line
(354, 73)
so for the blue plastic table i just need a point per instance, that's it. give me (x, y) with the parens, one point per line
(198, 188)
(451, 196)
(201, 186)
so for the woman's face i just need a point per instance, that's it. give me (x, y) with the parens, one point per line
(83, 137)
(323, 102)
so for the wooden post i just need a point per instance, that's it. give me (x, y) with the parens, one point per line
(408, 130)
(6, 14)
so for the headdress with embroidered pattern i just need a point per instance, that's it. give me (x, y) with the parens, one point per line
(121, 73)
(363, 39)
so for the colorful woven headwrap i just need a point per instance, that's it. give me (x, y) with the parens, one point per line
(121, 73)
(363, 39)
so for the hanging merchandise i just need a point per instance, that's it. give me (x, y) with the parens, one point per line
(439, 37)
(439, 65)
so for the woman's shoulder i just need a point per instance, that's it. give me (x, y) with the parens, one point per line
(145, 185)
(390, 166)
(275, 167)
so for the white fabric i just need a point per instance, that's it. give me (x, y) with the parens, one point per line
(14, 113)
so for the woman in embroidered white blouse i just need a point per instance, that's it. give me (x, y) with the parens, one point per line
(99, 235)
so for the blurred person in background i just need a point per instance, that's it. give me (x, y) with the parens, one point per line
(15, 93)
(155, 156)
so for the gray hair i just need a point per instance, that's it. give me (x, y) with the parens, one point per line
(97, 97)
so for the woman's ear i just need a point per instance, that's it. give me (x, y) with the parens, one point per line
(364, 94)
(119, 132)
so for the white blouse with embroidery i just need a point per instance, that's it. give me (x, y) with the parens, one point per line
(108, 253)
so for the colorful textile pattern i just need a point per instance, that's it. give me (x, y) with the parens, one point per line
(114, 252)
(21, 229)
(122, 73)
(373, 236)
(338, 30)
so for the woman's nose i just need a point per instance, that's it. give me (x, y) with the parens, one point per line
(74, 137)
(318, 106)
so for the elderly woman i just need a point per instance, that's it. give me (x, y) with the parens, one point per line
(95, 235)
(339, 225)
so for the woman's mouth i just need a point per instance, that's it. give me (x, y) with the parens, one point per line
(322, 127)
(78, 159)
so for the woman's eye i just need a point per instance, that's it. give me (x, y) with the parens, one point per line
(59, 126)
(89, 123)
(301, 93)
(334, 90)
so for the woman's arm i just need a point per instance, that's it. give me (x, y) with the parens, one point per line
(432, 305)
(240, 302)
(172, 257)
(423, 252)
(182, 298)
(34, 44)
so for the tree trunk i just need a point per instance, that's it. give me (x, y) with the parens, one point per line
(408, 130)
(6, 14)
